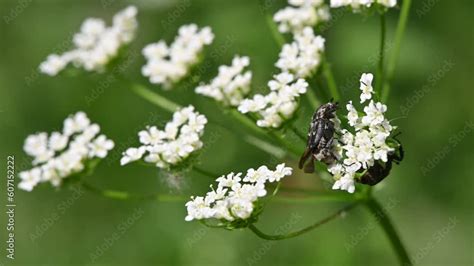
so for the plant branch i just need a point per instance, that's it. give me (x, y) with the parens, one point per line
(383, 219)
(392, 62)
(155, 98)
(327, 72)
(304, 230)
(380, 71)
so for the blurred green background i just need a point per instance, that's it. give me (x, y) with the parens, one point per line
(431, 99)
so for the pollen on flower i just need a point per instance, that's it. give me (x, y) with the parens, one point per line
(301, 14)
(65, 153)
(357, 5)
(364, 143)
(164, 148)
(96, 44)
(167, 65)
(235, 196)
(280, 104)
(303, 56)
(231, 85)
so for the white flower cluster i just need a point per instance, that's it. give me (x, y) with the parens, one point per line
(95, 44)
(303, 55)
(235, 195)
(63, 153)
(358, 4)
(172, 145)
(300, 14)
(358, 151)
(279, 104)
(231, 84)
(168, 64)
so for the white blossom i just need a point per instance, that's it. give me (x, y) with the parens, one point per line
(167, 65)
(95, 45)
(301, 14)
(359, 148)
(63, 153)
(303, 56)
(356, 5)
(164, 148)
(235, 197)
(231, 85)
(280, 104)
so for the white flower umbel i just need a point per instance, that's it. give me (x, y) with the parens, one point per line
(357, 5)
(65, 153)
(358, 148)
(303, 56)
(232, 83)
(167, 65)
(95, 44)
(164, 148)
(236, 196)
(280, 104)
(300, 14)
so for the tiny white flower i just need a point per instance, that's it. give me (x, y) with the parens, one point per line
(29, 179)
(366, 87)
(345, 183)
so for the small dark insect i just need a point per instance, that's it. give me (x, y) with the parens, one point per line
(320, 137)
(379, 171)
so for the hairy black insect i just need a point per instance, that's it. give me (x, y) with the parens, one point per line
(320, 137)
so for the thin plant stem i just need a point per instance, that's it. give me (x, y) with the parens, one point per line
(298, 133)
(380, 70)
(385, 222)
(205, 172)
(392, 62)
(304, 230)
(279, 40)
(155, 98)
(327, 72)
(313, 100)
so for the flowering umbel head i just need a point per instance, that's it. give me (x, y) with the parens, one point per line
(63, 154)
(168, 147)
(166, 65)
(95, 45)
(365, 149)
(301, 14)
(358, 5)
(235, 201)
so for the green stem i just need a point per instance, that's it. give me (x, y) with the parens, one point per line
(298, 133)
(392, 62)
(205, 172)
(327, 72)
(155, 98)
(304, 230)
(313, 100)
(279, 40)
(123, 195)
(389, 229)
(380, 73)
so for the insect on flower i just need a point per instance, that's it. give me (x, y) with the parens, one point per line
(320, 137)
